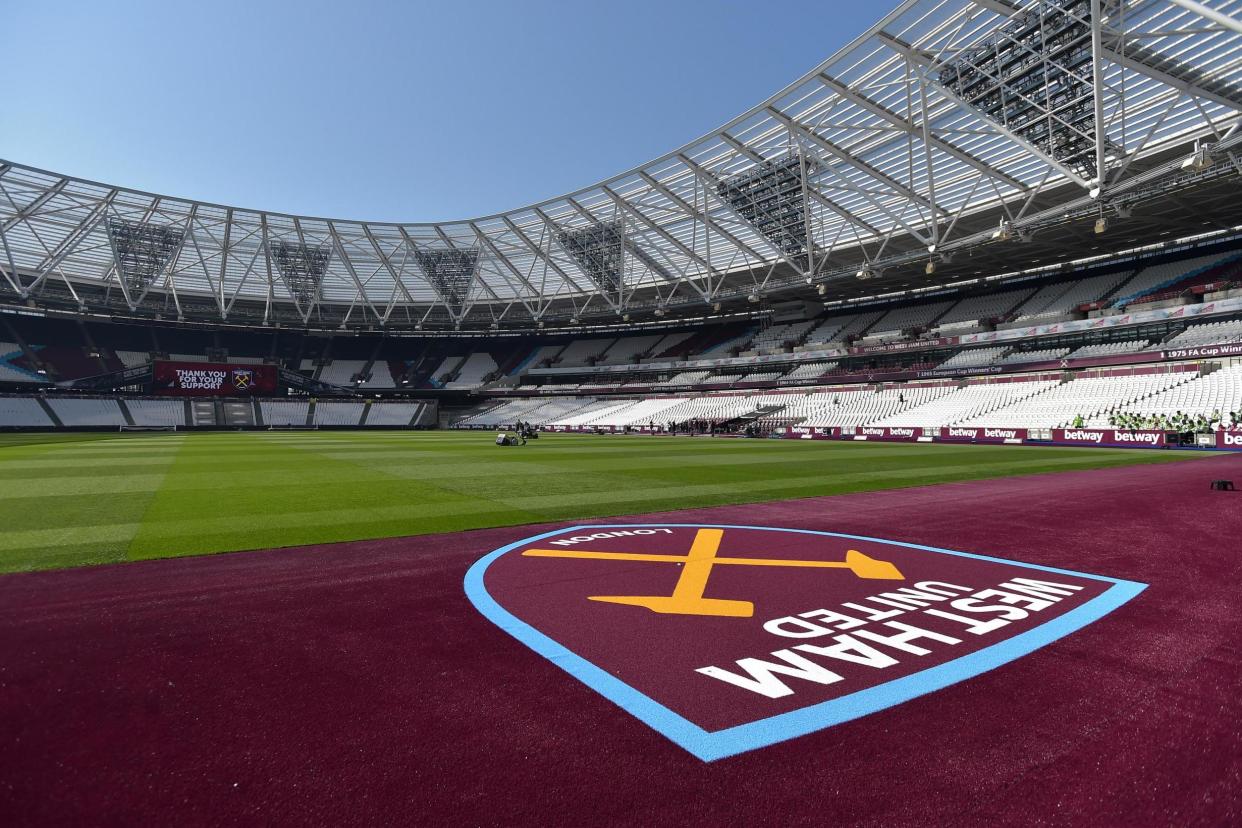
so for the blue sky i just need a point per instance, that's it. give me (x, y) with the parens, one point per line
(386, 110)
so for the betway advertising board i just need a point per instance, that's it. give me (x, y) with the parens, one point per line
(1229, 440)
(886, 433)
(983, 435)
(811, 432)
(1109, 437)
(212, 379)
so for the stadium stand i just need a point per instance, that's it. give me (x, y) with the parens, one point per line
(582, 352)
(982, 308)
(761, 376)
(781, 335)
(974, 357)
(157, 412)
(1129, 346)
(1160, 276)
(393, 413)
(964, 403)
(342, 371)
(1058, 300)
(810, 370)
(284, 412)
(471, 374)
(23, 412)
(379, 377)
(444, 371)
(10, 372)
(638, 413)
(331, 413)
(131, 359)
(864, 407)
(1085, 396)
(685, 378)
(98, 411)
(916, 338)
(901, 319)
(1040, 355)
(669, 342)
(837, 329)
(628, 349)
(1219, 392)
(1210, 333)
(541, 355)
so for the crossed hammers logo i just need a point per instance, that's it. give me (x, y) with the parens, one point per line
(687, 597)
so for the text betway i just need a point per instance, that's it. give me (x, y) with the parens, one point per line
(1142, 438)
(973, 433)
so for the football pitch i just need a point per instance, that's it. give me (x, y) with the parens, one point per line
(74, 499)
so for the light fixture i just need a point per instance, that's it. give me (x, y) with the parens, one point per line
(716, 307)
(753, 299)
(573, 320)
(822, 289)
(1199, 160)
(659, 311)
(1101, 225)
(1004, 232)
(864, 273)
(931, 267)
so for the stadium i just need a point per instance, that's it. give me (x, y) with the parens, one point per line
(527, 518)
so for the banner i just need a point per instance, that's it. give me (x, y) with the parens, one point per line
(211, 379)
(1229, 440)
(810, 432)
(899, 347)
(1102, 322)
(983, 435)
(886, 433)
(1109, 437)
(1204, 351)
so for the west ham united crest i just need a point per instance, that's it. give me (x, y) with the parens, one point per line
(243, 378)
(730, 638)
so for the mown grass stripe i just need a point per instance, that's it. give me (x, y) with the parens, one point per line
(90, 499)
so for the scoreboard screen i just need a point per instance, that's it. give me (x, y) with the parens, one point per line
(212, 379)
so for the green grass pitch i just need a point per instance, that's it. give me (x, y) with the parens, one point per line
(73, 499)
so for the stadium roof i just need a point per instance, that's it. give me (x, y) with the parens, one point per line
(955, 139)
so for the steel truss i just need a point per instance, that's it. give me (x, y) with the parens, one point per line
(302, 267)
(142, 252)
(451, 273)
(907, 147)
